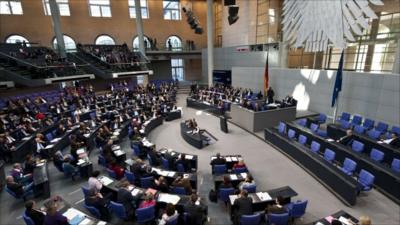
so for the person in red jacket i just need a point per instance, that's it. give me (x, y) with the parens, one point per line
(119, 171)
(240, 164)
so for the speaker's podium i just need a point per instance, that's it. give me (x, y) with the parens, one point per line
(223, 123)
(41, 184)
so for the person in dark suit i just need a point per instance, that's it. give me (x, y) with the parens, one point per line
(242, 206)
(161, 184)
(347, 139)
(393, 141)
(226, 183)
(96, 199)
(218, 160)
(125, 198)
(29, 164)
(18, 189)
(36, 215)
(60, 131)
(155, 159)
(270, 95)
(276, 208)
(182, 160)
(197, 212)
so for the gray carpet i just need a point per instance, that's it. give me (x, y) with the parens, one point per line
(270, 168)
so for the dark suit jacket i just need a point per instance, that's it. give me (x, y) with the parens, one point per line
(36, 216)
(16, 188)
(125, 198)
(243, 206)
(218, 161)
(275, 209)
(395, 143)
(196, 213)
(100, 204)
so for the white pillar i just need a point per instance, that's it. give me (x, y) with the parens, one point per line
(283, 55)
(210, 42)
(55, 18)
(139, 27)
(396, 64)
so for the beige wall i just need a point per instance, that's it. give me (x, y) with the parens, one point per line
(83, 28)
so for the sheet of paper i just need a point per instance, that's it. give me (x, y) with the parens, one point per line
(264, 196)
(71, 213)
(228, 159)
(344, 220)
(168, 198)
(105, 180)
(244, 175)
(234, 159)
(171, 174)
(80, 162)
(135, 191)
(186, 175)
(101, 223)
(26, 138)
(189, 157)
(119, 152)
(329, 218)
(80, 151)
(233, 177)
(49, 146)
(232, 198)
(86, 221)
(330, 140)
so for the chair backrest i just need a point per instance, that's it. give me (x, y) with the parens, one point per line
(278, 219)
(102, 161)
(356, 120)
(374, 134)
(345, 124)
(223, 193)
(366, 178)
(302, 139)
(165, 163)
(282, 127)
(49, 136)
(376, 155)
(368, 123)
(396, 130)
(357, 146)
(349, 166)
(93, 210)
(329, 155)
(146, 182)
(144, 215)
(136, 149)
(322, 118)
(27, 219)
(291, 134)
(345, 116)
(359, 129)
(130, 177)
(382, 127)
(118, 209)
(111, 173)
(85, 190)
(302, 122)
(254, 219)
(219, 169)
(314, 127)
(396, 165)
(179, 190)
(240, 170)
(315, 146)
(322, 133)
(250, 188)
(150, 160)
(180, 168)
(299, 209)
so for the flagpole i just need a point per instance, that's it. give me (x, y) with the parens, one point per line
(336, 108)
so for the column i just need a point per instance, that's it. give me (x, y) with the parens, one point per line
(55, 18)
(283, 55)
(371, 47)
(210, 42)
(396, 63)
(139, 31)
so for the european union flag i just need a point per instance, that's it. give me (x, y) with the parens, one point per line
(338, 81)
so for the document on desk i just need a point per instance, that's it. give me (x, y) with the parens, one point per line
(212, 158)
(26, 138)
(244, 175)
(105, 180)
(228, 159)
(234, 159)
(80, 151)
(119, 153)
(115, 133)
(71, 213)
(171, 174)
(80, 162)
(49, 146)
(264, 196)
(186, 175)
(232, 198)
(168, 198)
(345, 221)
(115, 147)
(135, 191)
(189, 157)
(330, 140)
(86, 221)
(55, 140)
(101, 223)
(233, 177)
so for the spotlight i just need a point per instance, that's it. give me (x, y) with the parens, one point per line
(192, 21)
(233, 14)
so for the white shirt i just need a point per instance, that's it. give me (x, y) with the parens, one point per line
(94, 183)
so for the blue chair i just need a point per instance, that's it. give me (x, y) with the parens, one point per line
(376, 155)
(368, 124)
(357, 146)
(302, 122)
(240, 170)
(282, 128)
(93, 210)
(165, 163)
(119, 210)
(19, 197)
(145, 215)
(349, 166)
(322, 133)
(179, 190)
(180, 168)
(291, 134)
(345, 124)
(277, 219)
(173, 221)
(365, 180)
(315, 146)
(146, 182)
(374, 134)
(396, 165)
(111, 173)
(27, 219)
(70, 171)
(357, 120)
(102, 161)
(130, 177)
(254, 219)
(49, 136)
(219, 169)
(382, 127)
(314, 127)
(359, 129)
(329, 155)
(321, 118)
(136, 150)
(250, 188)
(302, 139)
(297, 209)
(345, 116)
(85, 190)
(396, 130)
(223, 194)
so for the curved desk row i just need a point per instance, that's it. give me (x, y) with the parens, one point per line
(190, 102)
(196, 140)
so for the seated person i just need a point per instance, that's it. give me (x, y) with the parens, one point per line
(5, 150)
(218, 160)
(18, 174)
(169, 214)
(196, 210)
(138, 168)
(347, 139)
(393, 141)
(96, 199)
(53, 216)
(226, 183)
(119, 170)
(161, 184)
(148, 201)
(58, 160)
(93, 182)
(125, 198)
(239, 164)
(60, 131)
(276, 208)
(242, 206)
(36, 215)
(18, 189)
(101, 137)
(41, 146)
(29, 164)
(69, 169)
(183, 182)
(155, 159)
(182, 160)
(247, 182)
